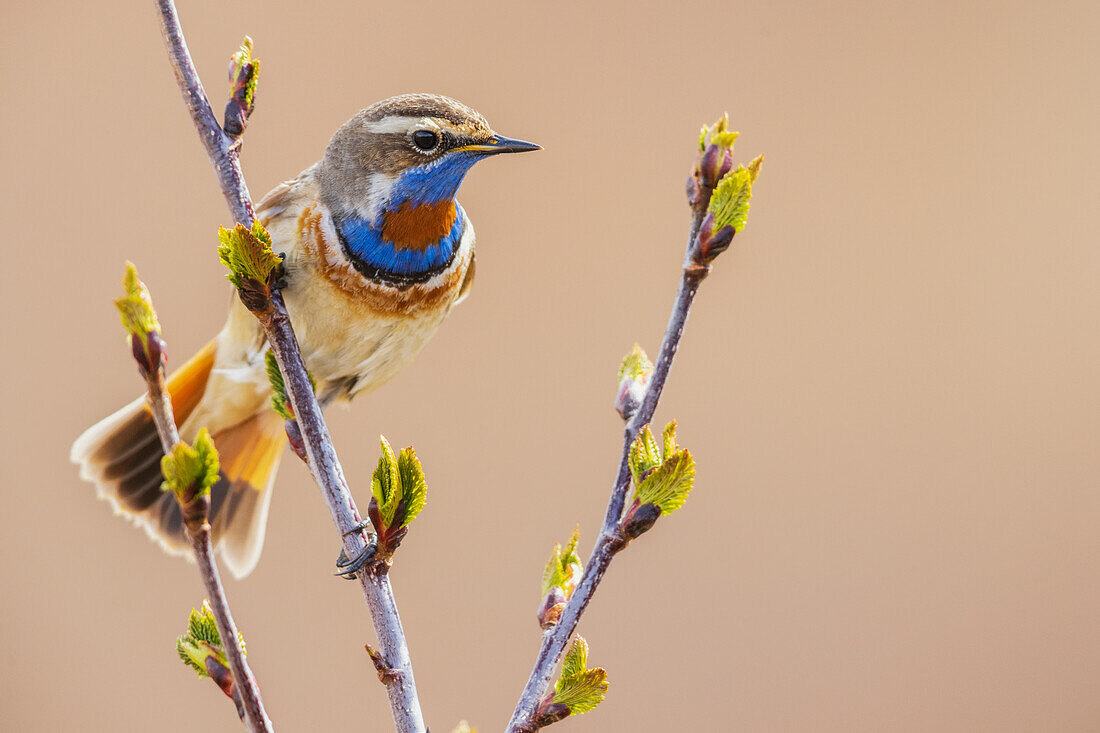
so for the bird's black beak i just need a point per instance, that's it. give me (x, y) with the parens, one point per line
(499, 144)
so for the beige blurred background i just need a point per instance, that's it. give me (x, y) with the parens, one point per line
(890, 381)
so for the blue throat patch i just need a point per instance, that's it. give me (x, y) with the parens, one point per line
(377, 258)
(435, 182)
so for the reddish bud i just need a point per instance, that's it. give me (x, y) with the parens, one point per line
(552, 606)
(551, 713)
(709, 243)
(715, 162)
(639, 519)
(297, 442)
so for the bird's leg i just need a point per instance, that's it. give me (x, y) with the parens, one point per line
(348, 568)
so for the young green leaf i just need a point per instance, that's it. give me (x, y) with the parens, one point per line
(576, 658)
(248, 254)
(414, 489)
(644, 454)
(579, 688)
(136, 307)
(719, 134)
(564, 567)
(240, 73)
(669, 439)
(202, 626)
(754, 167)
(202, 640)
(730, 202)
(279, 401)
(191, 469)
(386, 483)
(635, 365)
(669, 484)
(583, 691)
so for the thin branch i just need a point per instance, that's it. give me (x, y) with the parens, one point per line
(329, 474)
(223, 152)
(611, 540)
(323, 462)
(196, 514)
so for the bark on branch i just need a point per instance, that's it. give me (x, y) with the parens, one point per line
(196, 512)
(323, 462)
(525, 717)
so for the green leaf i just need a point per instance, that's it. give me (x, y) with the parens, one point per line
(644, 454)
(569, 555)
(398, 479)
(203, 640)
(669, 439)
(635, 365)
(208, 458)
(201, 625)
(279, 401)
(579, 688)
(386, 483)
(238, 71)
(188, 469)
(552, 575)
(719, 134)
(583, 691)
(564, 568)
(754, 167)
(193, 655)
(247, 253)
(414, 489)
(136, 307)
(576, 658)
(730, 201)
(669, 484)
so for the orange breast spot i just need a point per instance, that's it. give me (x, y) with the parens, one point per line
(418, 227)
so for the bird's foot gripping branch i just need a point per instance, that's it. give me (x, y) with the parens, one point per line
(254, 270)
(655, 473)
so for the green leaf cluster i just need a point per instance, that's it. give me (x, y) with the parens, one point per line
(247, 253)
(718, 134)
(136, 307)
(238, 65)
(579, 688)
(664, 475)
(191, 469)
(202, 640)
(635, 365)
(564, 568)
(399, 487)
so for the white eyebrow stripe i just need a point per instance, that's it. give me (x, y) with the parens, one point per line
(394, 124)
(402, 124)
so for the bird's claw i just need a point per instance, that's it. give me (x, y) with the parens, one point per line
(347, 568)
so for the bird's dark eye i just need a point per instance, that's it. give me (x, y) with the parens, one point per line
(425, 140)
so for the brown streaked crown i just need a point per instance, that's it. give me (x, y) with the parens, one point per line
(365, 145)
(427, 105)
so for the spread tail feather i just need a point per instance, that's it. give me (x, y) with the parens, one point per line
(121, 456)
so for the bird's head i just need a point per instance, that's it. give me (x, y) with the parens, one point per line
(407, 151)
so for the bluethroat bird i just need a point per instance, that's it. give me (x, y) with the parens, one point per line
(377, 251)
